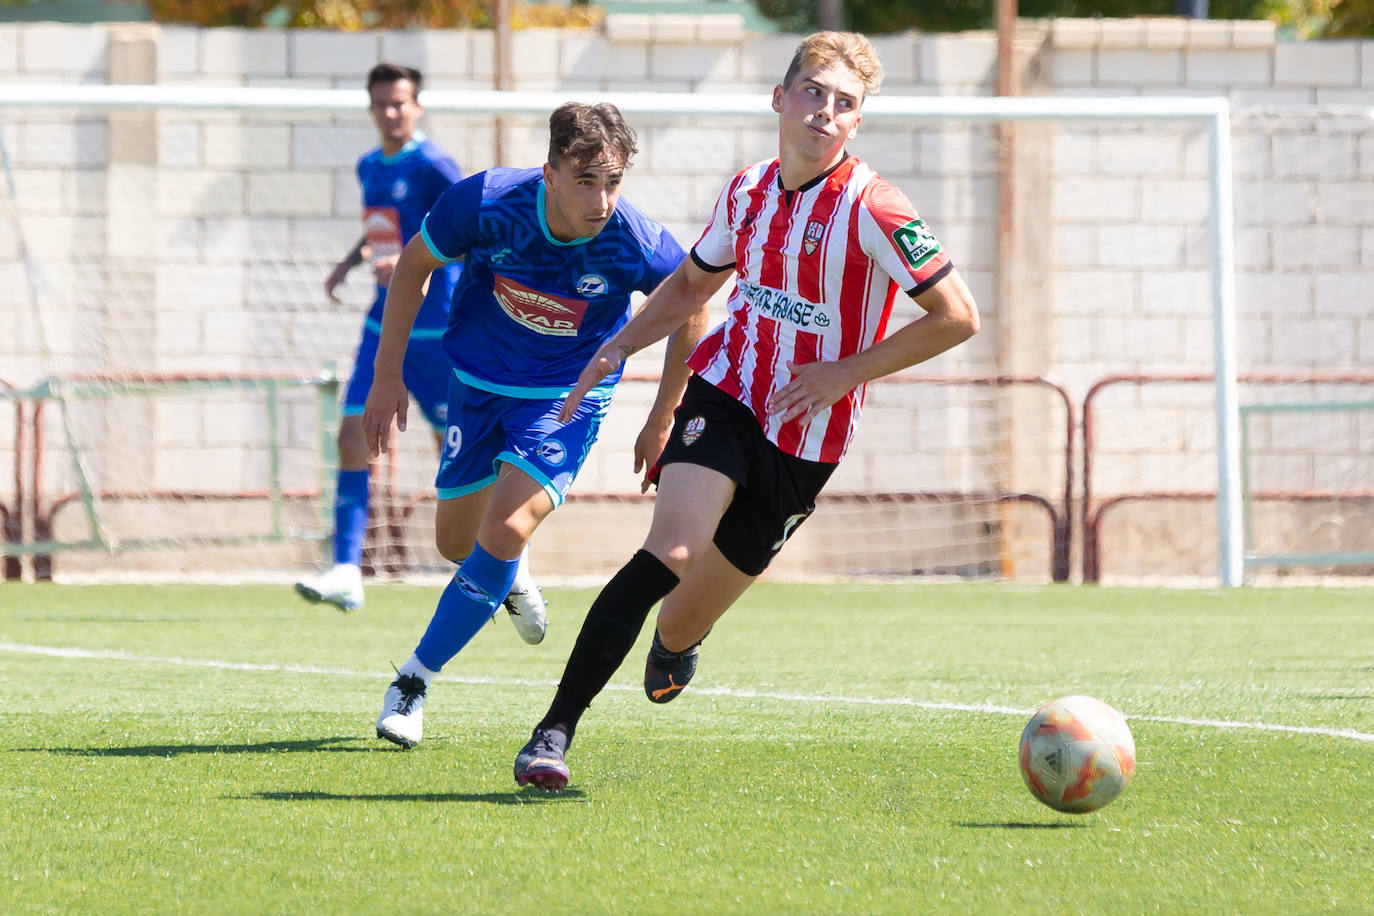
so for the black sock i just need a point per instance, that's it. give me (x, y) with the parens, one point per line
(609, 632)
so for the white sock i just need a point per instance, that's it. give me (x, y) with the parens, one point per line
(413, 668)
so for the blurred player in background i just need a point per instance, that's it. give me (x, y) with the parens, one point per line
(401, 180)
(552, 256)
(819, 246)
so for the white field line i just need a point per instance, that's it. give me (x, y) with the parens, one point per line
(734, 693)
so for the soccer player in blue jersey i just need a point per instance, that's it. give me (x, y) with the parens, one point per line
(552, 256)
(401, 179)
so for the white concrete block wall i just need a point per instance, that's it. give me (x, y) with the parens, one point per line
(9, 51)
(1319, 64)
(69, 53)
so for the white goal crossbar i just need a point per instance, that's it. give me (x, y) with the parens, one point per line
(1214, 112)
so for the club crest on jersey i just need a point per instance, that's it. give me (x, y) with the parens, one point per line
(400, 189)
(692, 430)
(551, 452)
(592, 285)
(815, 229)
(916, 243)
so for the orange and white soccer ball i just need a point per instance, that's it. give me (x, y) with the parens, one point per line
(1077, 754)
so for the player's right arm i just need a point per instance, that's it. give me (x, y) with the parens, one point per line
(341, 269)
(388, 398)
(676, 301)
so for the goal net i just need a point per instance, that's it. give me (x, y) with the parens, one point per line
(170, 366)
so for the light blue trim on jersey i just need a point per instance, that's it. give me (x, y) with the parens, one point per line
(534, 474)
(544, 225)
(516, 391)
(429, 243)
(455, 492)
(411, 146)
(375, 327)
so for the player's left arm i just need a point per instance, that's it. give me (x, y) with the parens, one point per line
(951, 317)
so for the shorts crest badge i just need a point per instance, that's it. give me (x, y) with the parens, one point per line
(815, 229)
(551, 452)
(692, 430)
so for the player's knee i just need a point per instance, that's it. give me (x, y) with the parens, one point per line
(502, 537)
(452, 547)
(353, 453)
(676, 555)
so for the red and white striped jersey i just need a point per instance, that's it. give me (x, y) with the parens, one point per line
(815, 279)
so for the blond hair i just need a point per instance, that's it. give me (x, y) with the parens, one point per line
(824, 49)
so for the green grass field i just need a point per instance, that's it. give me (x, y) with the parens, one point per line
(844, 749)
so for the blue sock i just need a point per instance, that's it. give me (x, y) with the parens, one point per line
(350, 517)
(468, 602)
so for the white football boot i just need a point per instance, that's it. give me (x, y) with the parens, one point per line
(341, 585)
(529, 614)
(403, 711)
(525, 604)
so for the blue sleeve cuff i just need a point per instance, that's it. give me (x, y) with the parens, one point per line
(429, 243)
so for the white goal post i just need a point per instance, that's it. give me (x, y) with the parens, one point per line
(1210, 115)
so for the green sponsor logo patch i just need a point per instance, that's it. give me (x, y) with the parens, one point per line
(916, 243)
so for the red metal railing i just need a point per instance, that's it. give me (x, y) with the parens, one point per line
(1093, 514)
(1061, 521)
(44, 514)
(1091, 510)
(396, 556)
(12, 518)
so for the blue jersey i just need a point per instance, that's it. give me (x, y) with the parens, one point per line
(397, 193)
(531, 311)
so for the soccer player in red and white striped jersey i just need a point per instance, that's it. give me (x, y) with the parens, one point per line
(816, 273)
(819, 246)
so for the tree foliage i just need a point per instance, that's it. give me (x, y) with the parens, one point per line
(355, 15)
(1301, 18)
(1323, 18)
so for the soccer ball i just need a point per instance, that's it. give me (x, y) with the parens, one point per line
(1077, 754)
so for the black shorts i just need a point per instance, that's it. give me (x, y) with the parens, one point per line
(776, 492)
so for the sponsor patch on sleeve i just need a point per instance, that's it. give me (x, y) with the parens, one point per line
(916, 243)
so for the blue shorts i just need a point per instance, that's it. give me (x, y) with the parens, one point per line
(426, 371)
(485, 428)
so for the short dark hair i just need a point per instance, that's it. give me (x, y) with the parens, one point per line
(394, 73)
(583, 132)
